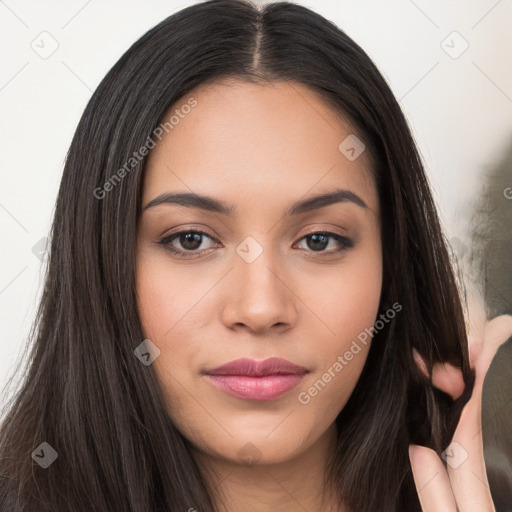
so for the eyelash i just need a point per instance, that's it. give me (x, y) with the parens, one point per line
(346, 243)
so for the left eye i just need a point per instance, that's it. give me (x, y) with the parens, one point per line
(319, 241)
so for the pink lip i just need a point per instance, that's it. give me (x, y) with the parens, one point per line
(257, 380)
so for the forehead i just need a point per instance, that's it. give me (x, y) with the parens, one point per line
(254, 141)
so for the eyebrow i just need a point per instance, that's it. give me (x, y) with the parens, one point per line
(211, 204)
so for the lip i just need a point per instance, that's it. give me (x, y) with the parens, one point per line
(257, 380)
(252, 368)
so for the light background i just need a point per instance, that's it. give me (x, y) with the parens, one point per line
(460, 109)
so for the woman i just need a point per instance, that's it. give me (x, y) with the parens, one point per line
(249, 303)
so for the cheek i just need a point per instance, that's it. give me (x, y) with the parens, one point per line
(340, 362)
(347, 300)
(162, 302)
(166, 295)
(170, 315)
(348, 306)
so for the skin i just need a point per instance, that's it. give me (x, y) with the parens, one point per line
(260, 148)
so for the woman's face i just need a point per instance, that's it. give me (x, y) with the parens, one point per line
(258, 283)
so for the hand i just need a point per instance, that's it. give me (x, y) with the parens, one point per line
(463, 486)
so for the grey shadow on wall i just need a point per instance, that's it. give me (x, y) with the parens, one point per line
(491, 257)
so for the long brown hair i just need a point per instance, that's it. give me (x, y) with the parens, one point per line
(85, 393)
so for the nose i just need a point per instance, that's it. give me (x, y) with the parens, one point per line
(257, 298)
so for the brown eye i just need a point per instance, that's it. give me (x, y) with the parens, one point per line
(186, 243)
(190, 241)
(319, 241)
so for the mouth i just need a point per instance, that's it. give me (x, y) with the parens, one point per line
(249, 379)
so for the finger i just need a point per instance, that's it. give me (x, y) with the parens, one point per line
(476, 327)
(445, 376)
(465, 459)
(449, 379)
(497, 331)
(466, 464)
(431, 480)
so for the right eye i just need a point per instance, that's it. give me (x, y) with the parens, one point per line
(190, 241)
